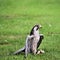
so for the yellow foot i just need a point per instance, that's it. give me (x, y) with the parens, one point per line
(40, 51)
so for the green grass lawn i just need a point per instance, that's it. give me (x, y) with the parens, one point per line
(17, 17)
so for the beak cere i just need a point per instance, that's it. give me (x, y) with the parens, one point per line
(40, 26)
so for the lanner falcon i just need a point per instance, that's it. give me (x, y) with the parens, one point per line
(33, 41)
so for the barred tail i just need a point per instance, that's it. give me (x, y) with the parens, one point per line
(19, 51)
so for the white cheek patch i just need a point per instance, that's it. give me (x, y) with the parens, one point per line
(36, 34)
(35, 28)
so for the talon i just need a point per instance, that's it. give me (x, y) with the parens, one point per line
(41, 51)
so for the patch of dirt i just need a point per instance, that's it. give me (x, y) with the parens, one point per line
(10, 36)
(4, 43)
(24, 15)
(53, 33)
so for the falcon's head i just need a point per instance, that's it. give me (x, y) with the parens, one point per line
(35, 28)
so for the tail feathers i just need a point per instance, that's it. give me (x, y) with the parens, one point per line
(19, 51)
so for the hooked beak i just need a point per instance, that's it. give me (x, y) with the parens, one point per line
(40, 26)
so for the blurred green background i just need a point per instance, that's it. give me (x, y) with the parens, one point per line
(17, 17)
